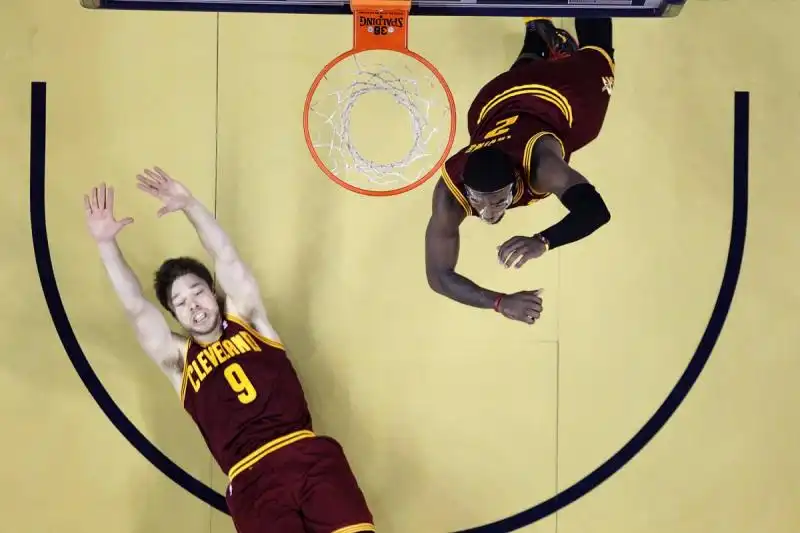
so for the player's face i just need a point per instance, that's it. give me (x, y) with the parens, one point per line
(491, 206)
(194, 304)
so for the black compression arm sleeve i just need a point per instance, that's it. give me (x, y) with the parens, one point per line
(587, 213)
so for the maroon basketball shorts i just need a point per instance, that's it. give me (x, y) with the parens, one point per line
(304, 487)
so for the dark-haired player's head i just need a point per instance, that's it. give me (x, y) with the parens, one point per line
(489, 176)
(185, 288)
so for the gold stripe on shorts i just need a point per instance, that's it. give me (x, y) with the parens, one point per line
(268, 448)
(355, 528)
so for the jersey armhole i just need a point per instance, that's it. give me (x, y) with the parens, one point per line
(253, 331)
(457, 194)
(527, 161)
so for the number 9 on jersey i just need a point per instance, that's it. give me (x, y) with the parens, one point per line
(240, 383)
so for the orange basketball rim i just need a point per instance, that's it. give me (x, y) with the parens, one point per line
(382, 25)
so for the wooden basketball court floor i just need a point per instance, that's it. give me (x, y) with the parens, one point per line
(452, 417)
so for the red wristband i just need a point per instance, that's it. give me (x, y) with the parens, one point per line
(497, 302)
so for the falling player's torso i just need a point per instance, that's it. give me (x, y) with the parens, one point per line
(566, 100)
(570, 97)
(242, 392)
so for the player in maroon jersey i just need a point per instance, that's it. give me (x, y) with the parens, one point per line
(524, 125)
(233, 376)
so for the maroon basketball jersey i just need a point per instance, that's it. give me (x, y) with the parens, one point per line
(566, 99)
(242, 392)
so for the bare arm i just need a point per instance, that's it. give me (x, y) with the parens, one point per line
(442, 242)
(151, 327)
(235, 279)
(553, 174)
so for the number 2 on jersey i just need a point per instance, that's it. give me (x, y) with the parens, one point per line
(501, 127)
(240, 383)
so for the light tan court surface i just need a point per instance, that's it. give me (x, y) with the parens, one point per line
(451, 417)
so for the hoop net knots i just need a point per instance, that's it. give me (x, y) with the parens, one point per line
(379, 120)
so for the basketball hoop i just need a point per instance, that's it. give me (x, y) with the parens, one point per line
(379, 64)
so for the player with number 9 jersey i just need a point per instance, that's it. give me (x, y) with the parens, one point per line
(242, 392)
(245, 397)
(233, 375)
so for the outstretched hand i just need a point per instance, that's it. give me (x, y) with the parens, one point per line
(99, 208)
(173, 194)
(517, 251)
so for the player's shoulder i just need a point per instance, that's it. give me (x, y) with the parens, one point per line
(255, 322)
(448, 202)
(453, 166)
(442, 196)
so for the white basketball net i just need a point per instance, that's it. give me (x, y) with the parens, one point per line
(412, 86)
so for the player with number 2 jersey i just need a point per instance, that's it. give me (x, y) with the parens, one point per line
(523, 126)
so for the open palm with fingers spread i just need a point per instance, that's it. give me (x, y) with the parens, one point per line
(99, 207)
(173, 194)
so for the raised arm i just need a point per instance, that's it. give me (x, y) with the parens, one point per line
(442, 242)
(152, 330)
(234, 278)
